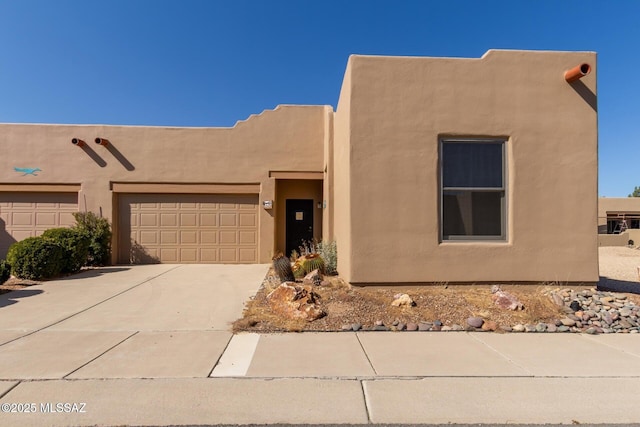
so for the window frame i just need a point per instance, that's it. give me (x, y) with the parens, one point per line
(503, 237)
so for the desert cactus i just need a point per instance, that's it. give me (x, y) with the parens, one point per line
(282, 266)
(312, 262)
(298, 269)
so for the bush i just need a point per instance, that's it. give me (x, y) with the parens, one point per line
(36, 258)
(5, 271)
(99, 232)
(329, 253)
(75, 243)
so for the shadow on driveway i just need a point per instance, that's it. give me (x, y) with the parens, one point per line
(9, 298)
(614, 285)
(95, 272)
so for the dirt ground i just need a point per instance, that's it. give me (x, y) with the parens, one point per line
(452, 305)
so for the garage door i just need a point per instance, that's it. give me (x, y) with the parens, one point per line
(188, 228)
(25, 215)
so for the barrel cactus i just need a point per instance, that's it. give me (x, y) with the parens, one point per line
(298, 269)
(312, 262)
(282, 266)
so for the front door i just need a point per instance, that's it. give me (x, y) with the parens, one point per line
(299, 226)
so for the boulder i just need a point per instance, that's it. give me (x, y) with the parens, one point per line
(295, 302)
(506, 300)
(314, 278)
(403, 300)
(475, 322)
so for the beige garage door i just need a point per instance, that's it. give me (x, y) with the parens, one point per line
(25, 215)
(188, 228)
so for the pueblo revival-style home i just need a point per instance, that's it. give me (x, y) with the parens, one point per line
(430, 170)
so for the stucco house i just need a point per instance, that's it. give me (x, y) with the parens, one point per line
(430, 170)
(618, 221)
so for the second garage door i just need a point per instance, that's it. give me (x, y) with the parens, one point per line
(188, 228)
(28, 214)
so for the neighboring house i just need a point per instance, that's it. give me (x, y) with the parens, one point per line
(618, 221)
(431, 170)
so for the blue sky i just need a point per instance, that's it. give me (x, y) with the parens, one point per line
(211, 63)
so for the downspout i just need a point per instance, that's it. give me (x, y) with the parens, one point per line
(577, 72)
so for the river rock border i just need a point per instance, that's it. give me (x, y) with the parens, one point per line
(586, 311)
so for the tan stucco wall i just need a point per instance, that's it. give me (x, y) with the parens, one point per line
(391, 114)
(340, 209)
(289, 138)
(621, 239)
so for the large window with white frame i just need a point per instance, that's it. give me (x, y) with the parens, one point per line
(473, 191)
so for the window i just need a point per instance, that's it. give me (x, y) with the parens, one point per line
(473, 189)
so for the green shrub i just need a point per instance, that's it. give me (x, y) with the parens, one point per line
(329, 253)
(5, 271)
(75, 243)
(99, 232)
(36, 258)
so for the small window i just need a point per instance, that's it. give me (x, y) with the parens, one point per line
(473, 190)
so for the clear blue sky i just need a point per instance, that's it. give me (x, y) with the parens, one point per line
(211, 63)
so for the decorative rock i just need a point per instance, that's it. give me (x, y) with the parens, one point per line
(625, 312)
(423, 326)
(591, 331)
(457, 328)
(436, 328)
(437, 323)
(541, 327)
(568, 322)
(379, 323)
(412, 326)
(380, 328)
(401, 326)
(529, 328)
(575, 305)
(446, 329)
(313, 278)
(551, 327)
(563, 328)
(295, 302)
(325, 283)
(625, 323)
(396, 322)
(475, 322)
(403, 300)
(557, 299)
(346, 327)
(489, 325)
(518, 328)
(505, 300)
(356, 327)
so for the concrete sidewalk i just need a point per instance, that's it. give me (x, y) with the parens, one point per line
(150, 345)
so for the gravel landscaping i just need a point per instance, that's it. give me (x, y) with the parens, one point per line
(612, 307)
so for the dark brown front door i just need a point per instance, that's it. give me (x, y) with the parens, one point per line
(299, 227)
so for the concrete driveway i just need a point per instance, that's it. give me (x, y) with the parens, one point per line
(150, 345)
(126, 321)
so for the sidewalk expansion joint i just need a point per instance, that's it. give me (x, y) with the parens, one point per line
(365, 354)
(220, 356)
(504, 356)
(98, 356)
(90, 307)
(10, 389)
(595, 340)
(365, 399)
